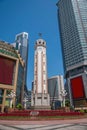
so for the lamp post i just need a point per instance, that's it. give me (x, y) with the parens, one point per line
(11, 96)
(25, 100)
(63, 94)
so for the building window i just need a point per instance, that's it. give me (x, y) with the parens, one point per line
(44, 81)
(39, 98)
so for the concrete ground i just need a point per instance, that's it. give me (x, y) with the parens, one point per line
(75, 124)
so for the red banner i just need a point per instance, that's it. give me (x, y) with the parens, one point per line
(6, 70)
(77, 88)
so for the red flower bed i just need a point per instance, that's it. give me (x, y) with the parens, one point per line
(41, 113)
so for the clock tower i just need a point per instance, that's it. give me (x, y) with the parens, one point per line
(40, 97)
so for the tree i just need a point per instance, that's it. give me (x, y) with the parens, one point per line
(67, 103)
(19, 106)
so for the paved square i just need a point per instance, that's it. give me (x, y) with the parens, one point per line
(76, 124)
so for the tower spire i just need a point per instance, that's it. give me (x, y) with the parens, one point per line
(40, 35)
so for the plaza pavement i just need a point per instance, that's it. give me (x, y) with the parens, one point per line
(74, 124)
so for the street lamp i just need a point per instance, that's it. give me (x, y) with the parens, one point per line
(63, 94)
(25, 100)
(11, 96)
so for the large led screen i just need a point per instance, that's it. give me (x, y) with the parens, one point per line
(6, 70)
(77, 88)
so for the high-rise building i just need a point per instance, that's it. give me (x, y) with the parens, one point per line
(40, 96)
(55, 86)
(22, 45)
(72, 16)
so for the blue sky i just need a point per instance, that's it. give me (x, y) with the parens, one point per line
(33, 17)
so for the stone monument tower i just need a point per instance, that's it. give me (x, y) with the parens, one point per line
(40, 97)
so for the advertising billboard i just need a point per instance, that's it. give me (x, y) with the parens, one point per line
(6, 70)
(77, 88)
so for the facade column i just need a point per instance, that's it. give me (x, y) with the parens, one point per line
(16, 75)
(3, 103)
(15, 80)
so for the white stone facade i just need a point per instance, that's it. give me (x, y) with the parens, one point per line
(40, 96)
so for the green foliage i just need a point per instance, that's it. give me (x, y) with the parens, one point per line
(8, 91)
(67, 103)
(82, 111)
(19, 106)
(85, 111)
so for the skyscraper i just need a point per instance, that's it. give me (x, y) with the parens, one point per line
(72, 16)
(22, 45)
(55, 86)
(40, 96)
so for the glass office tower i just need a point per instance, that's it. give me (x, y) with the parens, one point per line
(55, 86)
(72, 16)
(22, 46)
